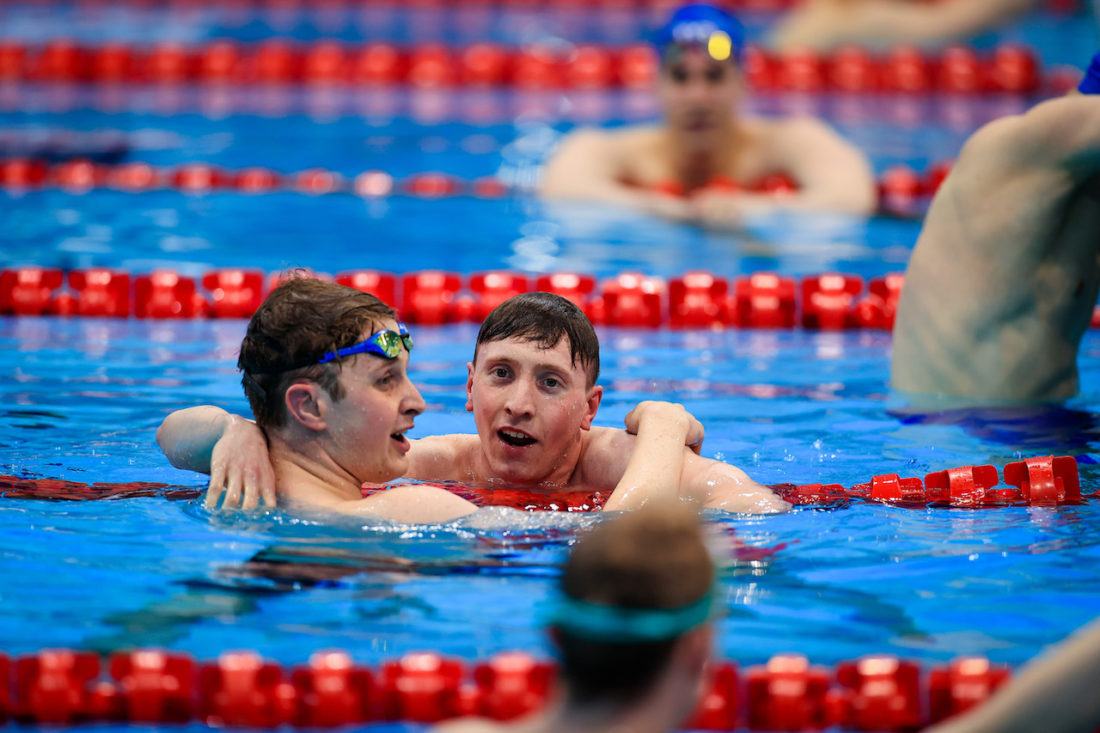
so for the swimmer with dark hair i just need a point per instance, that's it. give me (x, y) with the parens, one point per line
(1001, 285)
(701, 164)
(532, 388)
(632, 628)
(324, 368)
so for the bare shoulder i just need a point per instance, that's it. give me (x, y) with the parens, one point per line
(441, 457)
(606, 455)
(606, 143)
(794, 128)
(1055, 132)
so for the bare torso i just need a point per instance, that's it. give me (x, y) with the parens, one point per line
(1004, 277)
(604, 455)
(631, 165)
(646, 159)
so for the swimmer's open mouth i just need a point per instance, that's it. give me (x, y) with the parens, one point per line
(400, 437)
(515, 438)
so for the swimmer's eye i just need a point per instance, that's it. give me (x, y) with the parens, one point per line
(678, 74)
(552, 383)
(500, 372)
(716, 74)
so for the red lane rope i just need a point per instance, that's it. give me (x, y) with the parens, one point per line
(696, 299)
(63, 686)
(1039, 481)
(1008, 68)
(903, 191)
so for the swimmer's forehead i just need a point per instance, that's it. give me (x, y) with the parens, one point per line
(519, 347)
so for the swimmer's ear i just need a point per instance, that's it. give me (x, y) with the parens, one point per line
(595, 395)
(469, 386)
(303, 404)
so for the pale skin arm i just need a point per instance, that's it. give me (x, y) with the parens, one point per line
(823, 25)
(1055, 693)
(231, 449)
(587, 166)
(657, 459)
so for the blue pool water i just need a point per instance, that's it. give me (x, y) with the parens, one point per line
(82, 398)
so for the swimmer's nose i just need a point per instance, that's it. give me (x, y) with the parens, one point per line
(520, 400)
(413, 404)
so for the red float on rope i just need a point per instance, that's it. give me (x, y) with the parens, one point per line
(1008, 68)
(788, 694)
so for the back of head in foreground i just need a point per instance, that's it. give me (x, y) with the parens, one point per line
(631, 627)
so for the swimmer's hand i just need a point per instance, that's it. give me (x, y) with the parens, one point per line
(667, 207)
(669, 413)
(730, 209)
(241, 468)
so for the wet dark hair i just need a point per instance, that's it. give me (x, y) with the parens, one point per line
(297, 323)
(652, 558)
(544, 318)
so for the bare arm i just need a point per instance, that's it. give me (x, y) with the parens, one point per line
(823, 25)
(231, 449)
(657, 458)
(587, 166)
(718, 485)
(1054, 693)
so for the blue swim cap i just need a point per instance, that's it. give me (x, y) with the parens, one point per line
(702, 24)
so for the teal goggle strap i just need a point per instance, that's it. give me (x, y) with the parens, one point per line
(599, 622)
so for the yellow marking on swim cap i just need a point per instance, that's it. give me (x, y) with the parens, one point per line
(719, 45)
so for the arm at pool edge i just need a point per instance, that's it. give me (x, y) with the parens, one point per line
(232, 449)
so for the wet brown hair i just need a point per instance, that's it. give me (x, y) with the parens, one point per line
(652, 558)
(297, 323)
(544, 318)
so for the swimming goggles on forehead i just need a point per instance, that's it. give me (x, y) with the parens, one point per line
(383, 343)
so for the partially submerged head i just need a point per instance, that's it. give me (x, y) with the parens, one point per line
(638, 595)
(532, 387)
(700, 48)
(331, 359)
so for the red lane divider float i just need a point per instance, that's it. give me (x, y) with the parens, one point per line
(431, 297)
(697, 299)
(958, 69)
(240, 688)
(902, 190)
(1039, 481)
(1042, 481)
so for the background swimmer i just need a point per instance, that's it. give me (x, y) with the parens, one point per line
(1004, 277)
(704, 144)
(532, 389)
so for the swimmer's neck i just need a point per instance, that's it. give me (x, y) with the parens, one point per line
(308, 473)
(694, 163)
